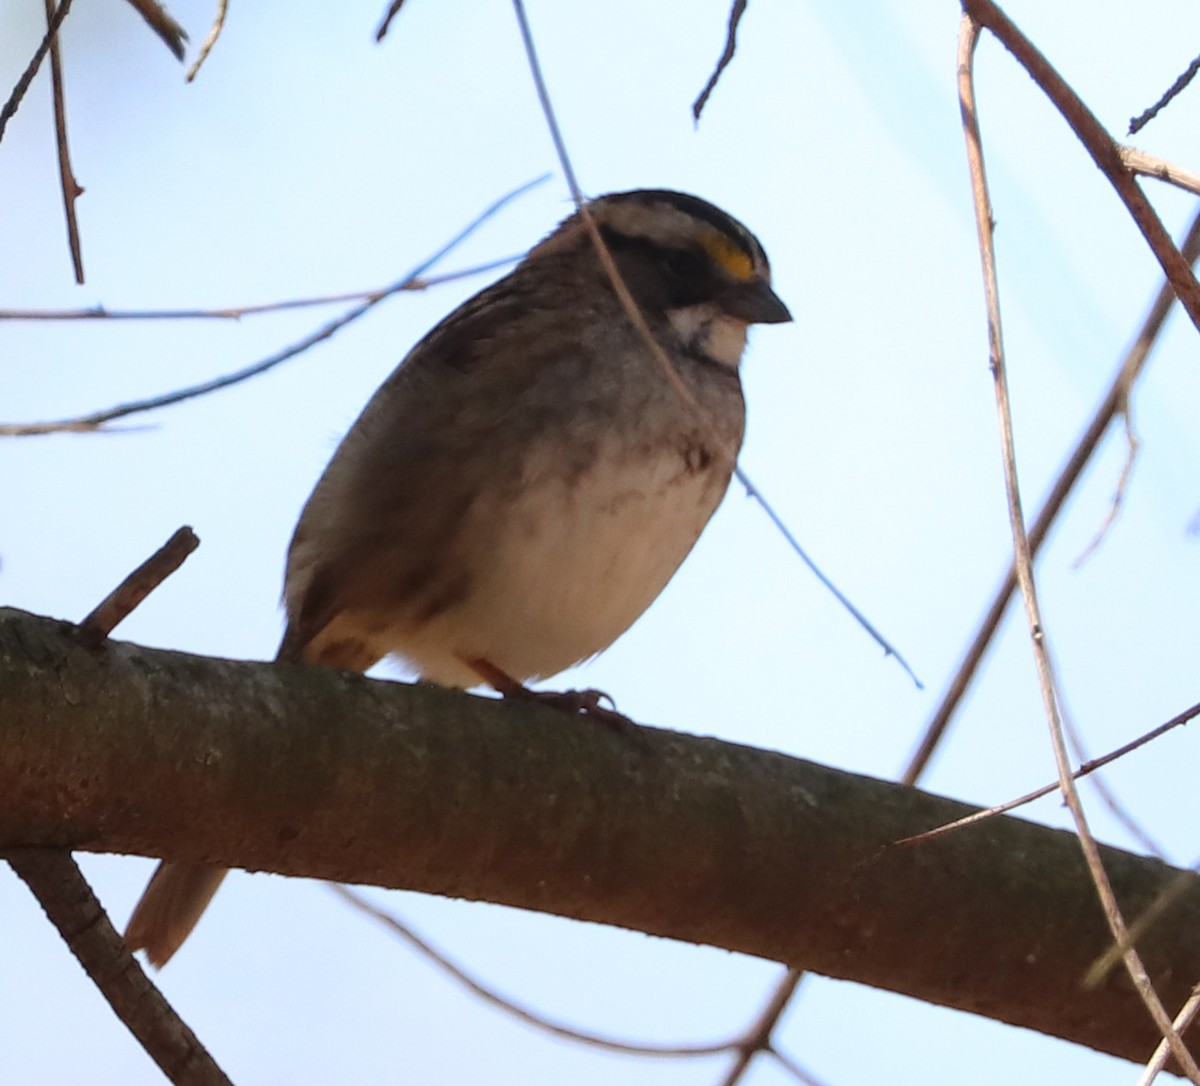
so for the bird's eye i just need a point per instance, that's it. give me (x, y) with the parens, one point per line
(683, 265)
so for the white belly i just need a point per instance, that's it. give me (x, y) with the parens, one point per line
(558, 575)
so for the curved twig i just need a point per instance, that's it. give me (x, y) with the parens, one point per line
(95, 420)
(1105, 151)
(1023, 554)
(237, 312)
(1131, 368)
(652, 345)
(510, 1006)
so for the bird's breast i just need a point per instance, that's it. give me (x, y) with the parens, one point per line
(562, 564)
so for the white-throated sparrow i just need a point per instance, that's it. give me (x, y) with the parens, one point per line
(525, 483)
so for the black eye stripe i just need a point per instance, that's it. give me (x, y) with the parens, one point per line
(681, 276)
(675, 259)
(685, 264)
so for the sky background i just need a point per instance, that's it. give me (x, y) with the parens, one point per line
(306, 159)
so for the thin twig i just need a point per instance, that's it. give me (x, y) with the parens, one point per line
(632, 311)
(1085, 448)
(9, 109)
(1163, 1052)
(392, 11)
(510, 1006)
(171, 33)
(236, 312)
(1099, 144)
(1166, 897)
(643, 329)
(213, 34)
(94, 421)
(1136, 124)
(1023, 555)
(758, 1037)
(735, 16)
(1160, 169)
(800, 1074)
(68, 185)
(888, 648)
(121, 601)
(1132, 445)
(1083, 771)
(72, 907)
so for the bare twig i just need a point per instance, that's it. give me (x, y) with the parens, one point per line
(392, 11)
(508, 1005)
(172, 34)
(1132, 444)
(800, 1074)
(237, 312)
(1085, 769)
(1136, 124)
(95, 420)
(121, 601)
(758, 1037)
(1023, 555)
(72, 907)
(1159, 168)
(888, 648)
(71, 190)
(1099, 144)
(632, 311)
(1118, 391)
(9, 109)
(213, 34)
(735, 16)
(643, 329)
(1163, 1052)
(1171, 893)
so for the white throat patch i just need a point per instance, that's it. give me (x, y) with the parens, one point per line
(707, 331)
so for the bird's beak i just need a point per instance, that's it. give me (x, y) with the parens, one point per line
(754, 302)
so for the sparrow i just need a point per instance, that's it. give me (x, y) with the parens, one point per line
(526, 482)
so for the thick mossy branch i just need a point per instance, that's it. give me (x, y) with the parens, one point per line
(310, 772)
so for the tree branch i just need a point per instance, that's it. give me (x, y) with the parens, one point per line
(316, 773)
(64, 893)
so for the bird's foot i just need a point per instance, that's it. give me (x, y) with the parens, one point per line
(585, 703)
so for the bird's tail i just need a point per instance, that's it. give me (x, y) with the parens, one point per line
(171, 904)
(177, 894)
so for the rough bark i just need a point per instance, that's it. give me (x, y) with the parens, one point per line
(310, 772)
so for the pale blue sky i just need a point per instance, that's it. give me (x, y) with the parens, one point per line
(305, 159)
